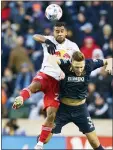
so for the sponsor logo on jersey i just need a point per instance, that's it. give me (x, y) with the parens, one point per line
(62, 54)
(75, 79)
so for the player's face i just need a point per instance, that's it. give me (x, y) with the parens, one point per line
(78, 67)
(60, 34)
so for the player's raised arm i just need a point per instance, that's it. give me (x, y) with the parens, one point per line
(39, 38)
(97, 63)
(42, 39)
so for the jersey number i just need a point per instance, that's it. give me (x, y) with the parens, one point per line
(90, 122)
(56, 96)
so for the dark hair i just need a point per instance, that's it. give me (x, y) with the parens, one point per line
(78, 56)
(60, 24)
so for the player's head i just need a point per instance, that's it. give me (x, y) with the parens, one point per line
(60, 32)
(78, 63)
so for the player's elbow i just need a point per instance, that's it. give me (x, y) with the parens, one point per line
(36, 37)
(39, 38)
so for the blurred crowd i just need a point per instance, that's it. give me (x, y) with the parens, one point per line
(90, 25)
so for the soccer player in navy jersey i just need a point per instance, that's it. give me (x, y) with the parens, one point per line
(73, 93)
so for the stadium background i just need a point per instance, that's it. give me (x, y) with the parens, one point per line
(90, 26)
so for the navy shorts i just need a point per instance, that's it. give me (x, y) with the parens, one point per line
(79, 115)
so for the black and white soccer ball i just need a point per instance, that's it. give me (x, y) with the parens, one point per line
(53, 12)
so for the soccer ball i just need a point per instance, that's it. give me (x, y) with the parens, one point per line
(53, 12)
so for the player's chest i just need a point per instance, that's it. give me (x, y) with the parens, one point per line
(66, 47)
(77, 80)
(61, 50)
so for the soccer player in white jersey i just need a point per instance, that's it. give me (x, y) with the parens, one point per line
(47, 80)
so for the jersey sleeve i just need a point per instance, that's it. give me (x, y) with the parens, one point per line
(75, 47)
(94, 64)
(49, 37)
(64, 64)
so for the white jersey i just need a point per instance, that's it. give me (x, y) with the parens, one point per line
(65, 49)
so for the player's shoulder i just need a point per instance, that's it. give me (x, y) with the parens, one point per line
(88, 60)
(72, 44)
(88, 63)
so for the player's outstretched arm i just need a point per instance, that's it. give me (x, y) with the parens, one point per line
(108, 63)
(39, 38)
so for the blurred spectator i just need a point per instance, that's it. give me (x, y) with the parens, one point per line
(97, 54)
(4, 97)
(29, 42)
(23, 79)
(17, 11)
(109, 51)
(88, 47)
(34, 17)
(5, 25)
(37, 58)
(103, 18)
(99, 109)
(104, 37)
(30, 51)
(5, 13)
(78, 23)
(10, 37)
(47, 31)
(9, 81)
(70, 35)
(37, 111)
(87, 28)
(5, 52)
(19, 56)
(81, 20)
(103, 84)
(93, 12)
(12, 128)
(4, 101)
(91, 93)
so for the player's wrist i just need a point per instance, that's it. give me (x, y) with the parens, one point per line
(21, 98)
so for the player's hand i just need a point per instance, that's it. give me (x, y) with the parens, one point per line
(50, 47)
(18, 102)
(108, 67)
(62, 75)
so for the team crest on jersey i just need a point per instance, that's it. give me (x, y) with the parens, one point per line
(70, 48)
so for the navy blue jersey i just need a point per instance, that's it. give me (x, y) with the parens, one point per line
(75, 87)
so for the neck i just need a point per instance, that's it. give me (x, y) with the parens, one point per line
(61, 42)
